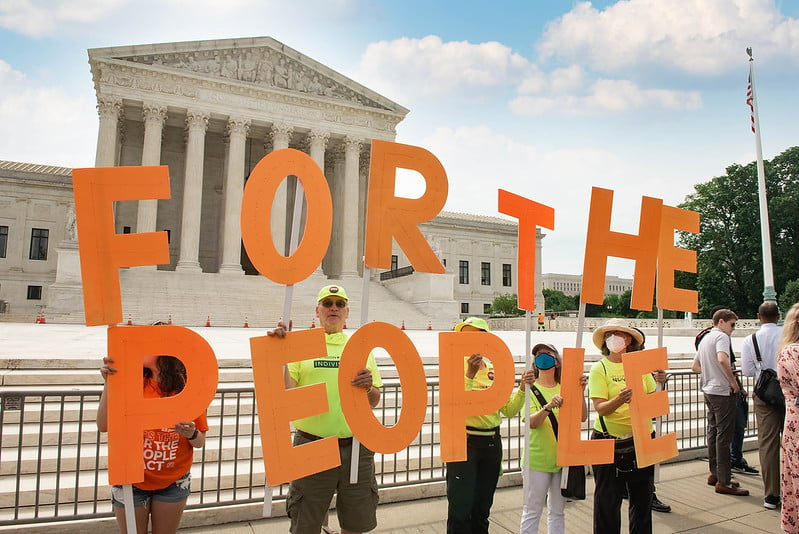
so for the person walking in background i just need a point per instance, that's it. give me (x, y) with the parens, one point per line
(770, 419)
(738, 463)
(719, 387)
(611, 397)
(788, 372)
(309, 497)
(160, 498)
(544, 472)
(472, 482)
(541, 320)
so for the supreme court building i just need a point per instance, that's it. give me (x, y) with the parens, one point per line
(209, 111)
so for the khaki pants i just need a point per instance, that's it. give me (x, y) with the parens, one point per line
(769, 429)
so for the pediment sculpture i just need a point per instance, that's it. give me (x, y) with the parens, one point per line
(262, 66)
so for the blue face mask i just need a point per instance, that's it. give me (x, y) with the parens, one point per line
(544, 361)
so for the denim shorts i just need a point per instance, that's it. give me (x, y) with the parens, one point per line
(175, 492)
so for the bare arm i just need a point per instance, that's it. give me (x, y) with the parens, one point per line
(724, 361)
(605, 407)
(102, 409)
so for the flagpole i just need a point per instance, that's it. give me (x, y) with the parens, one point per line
(769, 294)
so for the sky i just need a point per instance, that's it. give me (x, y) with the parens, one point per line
(545, 99)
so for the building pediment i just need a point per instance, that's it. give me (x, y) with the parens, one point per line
(260, 61)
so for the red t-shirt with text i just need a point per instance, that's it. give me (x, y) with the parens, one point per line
(167, 454)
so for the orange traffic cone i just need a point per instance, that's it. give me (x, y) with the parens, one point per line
(313, 323)
(403, 325)
(429, 325)
(246, 322)
(130, 320)
(42, 320)
(208, 321)
(38, 317)
(169, 321)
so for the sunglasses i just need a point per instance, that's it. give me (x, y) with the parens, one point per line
(732, 325)
(328, 303)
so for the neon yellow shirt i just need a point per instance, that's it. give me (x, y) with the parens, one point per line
(607, 386)
(543, 445)
(324, 370)
(483, 380)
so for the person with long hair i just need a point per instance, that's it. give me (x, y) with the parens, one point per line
(544, 473)
(159, 500)
(788, 372)
(611, 397)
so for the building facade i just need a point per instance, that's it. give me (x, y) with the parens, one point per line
(571, 284)
(210, 111)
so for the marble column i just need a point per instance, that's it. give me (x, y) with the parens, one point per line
(237, 129)
(317, 140)
(349, 207)
(197, 124)
(280, 134)
(110, 111)
(154, 116)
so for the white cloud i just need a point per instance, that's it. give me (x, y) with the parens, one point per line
(697, 36)
(39, 18)
(429, 66)
(44, 124)
(479, 161)
(605, 96)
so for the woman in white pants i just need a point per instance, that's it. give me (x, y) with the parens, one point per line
(544, 474)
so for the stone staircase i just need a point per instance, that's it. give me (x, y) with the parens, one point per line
(192, 299)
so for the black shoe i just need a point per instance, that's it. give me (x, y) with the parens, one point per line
(659, 506)
(744, 469)
(771, 502)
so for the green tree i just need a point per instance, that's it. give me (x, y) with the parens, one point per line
(557, 301)
(790, 296)
(729, 265)
(506, 305)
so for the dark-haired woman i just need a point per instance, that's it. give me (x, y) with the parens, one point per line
(168, 452)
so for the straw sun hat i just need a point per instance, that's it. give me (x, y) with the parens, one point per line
(615, 325)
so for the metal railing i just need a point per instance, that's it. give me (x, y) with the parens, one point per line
(53, 459)
(396, 273)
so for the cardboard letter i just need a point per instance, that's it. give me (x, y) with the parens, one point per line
(394, 217)
(354, 401)
(644, 407)
(256, 207)
(671, 258)
(102, 251)
(277, 407)
(601, 242)
(129, 413)
(455, 402)
(530, 215)
(572, 449)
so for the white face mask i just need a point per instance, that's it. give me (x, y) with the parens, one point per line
(615, 343)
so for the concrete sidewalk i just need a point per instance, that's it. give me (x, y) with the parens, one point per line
(696, 507)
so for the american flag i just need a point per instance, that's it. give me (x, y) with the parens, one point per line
(749, 97)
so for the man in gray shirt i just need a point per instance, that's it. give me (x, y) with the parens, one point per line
(769, 418)
(719, 387)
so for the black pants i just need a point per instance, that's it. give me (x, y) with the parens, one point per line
(610, 484)
(471, 485)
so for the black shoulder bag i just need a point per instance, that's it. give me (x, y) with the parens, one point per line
(768, 387)
(574, 487)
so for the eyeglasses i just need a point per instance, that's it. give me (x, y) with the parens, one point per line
(328, 303)
(732, 325)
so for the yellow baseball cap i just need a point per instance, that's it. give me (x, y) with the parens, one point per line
(331, 291)
(473, 321)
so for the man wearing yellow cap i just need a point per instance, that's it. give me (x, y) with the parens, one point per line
(471, 483)
(309, 497)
